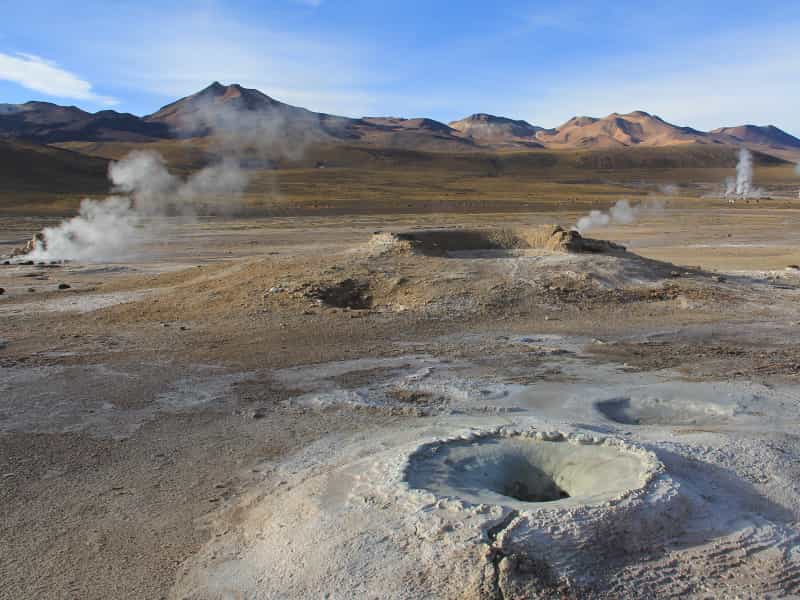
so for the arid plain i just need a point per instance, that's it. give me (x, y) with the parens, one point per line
(159, 412)
(405, 362)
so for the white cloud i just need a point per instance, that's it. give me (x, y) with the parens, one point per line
(36, 73)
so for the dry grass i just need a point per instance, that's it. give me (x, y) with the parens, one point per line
(361, 179)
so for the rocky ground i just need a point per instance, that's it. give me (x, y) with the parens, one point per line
(233, 412)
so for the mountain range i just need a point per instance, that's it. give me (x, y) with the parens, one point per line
(221, 109)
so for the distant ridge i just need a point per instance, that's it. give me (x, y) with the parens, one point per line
(767, 135)
(48, 122)
(219, 108)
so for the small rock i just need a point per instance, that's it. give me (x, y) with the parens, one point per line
(793, 267)
(2, 291)
(184, 328)
(64, 286)
(31, 289)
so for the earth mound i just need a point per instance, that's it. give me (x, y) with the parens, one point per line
(36, 241)
(441, 242)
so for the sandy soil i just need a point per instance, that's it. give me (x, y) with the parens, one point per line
(229, 414)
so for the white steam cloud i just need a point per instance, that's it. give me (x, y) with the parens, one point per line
(797, 170)
(247, 129)
(622, 213)
(111, 229)
(625, 213)
(669, 189)
(744, 173)
(256, 129)
(741, 186)
(744, 176)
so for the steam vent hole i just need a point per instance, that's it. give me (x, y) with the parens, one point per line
(349, 293)
(528, 483)
(518, 471)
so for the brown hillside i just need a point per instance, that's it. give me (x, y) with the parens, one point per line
(617, 131)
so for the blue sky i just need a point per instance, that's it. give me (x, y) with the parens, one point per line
(700, 63)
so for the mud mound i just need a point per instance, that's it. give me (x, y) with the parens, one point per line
(442, 242)
(557, 239)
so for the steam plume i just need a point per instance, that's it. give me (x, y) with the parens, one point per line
(265, 131)
(622, 213)
(250, 133)
(669, 189)
(744, 173)
(741, 187)
(111, 229)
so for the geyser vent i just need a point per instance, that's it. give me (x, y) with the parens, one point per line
(524, 471)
